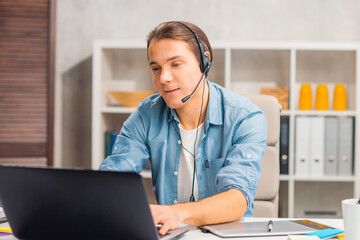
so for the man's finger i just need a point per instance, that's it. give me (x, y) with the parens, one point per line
(164, 229)
(155, 214)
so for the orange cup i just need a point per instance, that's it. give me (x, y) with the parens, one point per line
(305, 98)
(322, 98)
(339, 102)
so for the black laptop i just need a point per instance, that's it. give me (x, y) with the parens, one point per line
(49, 203)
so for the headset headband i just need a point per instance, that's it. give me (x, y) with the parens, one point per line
(204, 61)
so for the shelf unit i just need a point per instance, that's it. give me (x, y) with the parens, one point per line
(244, 67)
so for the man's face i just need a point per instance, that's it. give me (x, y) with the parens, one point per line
(175, 70)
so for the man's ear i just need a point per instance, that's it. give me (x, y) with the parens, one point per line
(207, 53)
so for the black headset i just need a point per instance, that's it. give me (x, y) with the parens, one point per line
(205, 62)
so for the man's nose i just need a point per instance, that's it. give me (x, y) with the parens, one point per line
(166, 76)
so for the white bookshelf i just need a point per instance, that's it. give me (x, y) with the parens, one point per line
(244, 67)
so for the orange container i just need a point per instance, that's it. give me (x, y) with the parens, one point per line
(305, 98)
(340, 101)
(322, 98)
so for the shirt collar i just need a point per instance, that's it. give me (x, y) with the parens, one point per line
(172, 114)
(214, 110)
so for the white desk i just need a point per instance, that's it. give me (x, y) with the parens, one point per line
(195, 233)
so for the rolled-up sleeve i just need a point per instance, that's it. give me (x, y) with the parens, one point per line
(242, 165)
(130, 151)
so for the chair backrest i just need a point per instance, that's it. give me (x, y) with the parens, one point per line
(266, 199)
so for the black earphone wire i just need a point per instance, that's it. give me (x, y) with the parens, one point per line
(204, 69)
(192, 198)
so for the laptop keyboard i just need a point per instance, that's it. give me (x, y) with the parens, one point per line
(2, 216)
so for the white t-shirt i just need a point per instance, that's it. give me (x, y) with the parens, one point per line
(186, 164)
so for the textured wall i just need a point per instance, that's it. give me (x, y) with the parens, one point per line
(79, 22)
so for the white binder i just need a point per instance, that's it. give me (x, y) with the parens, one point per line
(317, 127)
(331, 146)
(302, 146)
(345, 146)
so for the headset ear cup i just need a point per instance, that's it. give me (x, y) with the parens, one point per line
(206, 64)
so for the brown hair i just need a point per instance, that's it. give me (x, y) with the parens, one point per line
(177, 31)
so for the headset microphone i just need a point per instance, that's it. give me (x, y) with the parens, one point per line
(188, 96)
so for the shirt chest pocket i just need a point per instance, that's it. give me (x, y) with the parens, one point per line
(211, 169)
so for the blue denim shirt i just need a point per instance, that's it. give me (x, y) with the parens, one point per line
(229, 154)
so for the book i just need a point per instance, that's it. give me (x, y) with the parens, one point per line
(302, 146)
(107, 144)
(284, 145)
(113, 136)
(331, 146)
(109, 139)
(345, 146)
(310, 146)
(316, 141)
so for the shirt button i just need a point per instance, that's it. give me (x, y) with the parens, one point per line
(176, 173)
(115, 148)
(179, 141)
(248, 155)
(175, 202)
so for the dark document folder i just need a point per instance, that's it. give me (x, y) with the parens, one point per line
(284, 145)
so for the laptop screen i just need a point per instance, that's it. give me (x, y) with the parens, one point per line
(61, 203)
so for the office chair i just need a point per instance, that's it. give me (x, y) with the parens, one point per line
(266, 198)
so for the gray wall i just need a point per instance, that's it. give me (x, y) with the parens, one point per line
(79, 22)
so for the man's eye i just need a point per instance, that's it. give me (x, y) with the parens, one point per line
(155, 69)
(176, 64)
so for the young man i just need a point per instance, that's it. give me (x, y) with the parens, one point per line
(205, 143)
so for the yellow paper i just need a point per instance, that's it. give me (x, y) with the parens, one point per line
(5, 229)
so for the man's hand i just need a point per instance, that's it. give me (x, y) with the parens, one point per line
(169, 216)
(228, 206)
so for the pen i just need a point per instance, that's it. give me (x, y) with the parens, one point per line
(270, 226)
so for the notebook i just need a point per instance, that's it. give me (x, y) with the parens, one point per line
(253, 229)
(49, 203)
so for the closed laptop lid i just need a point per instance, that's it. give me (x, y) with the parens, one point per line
(48, 203)
(260, 228)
